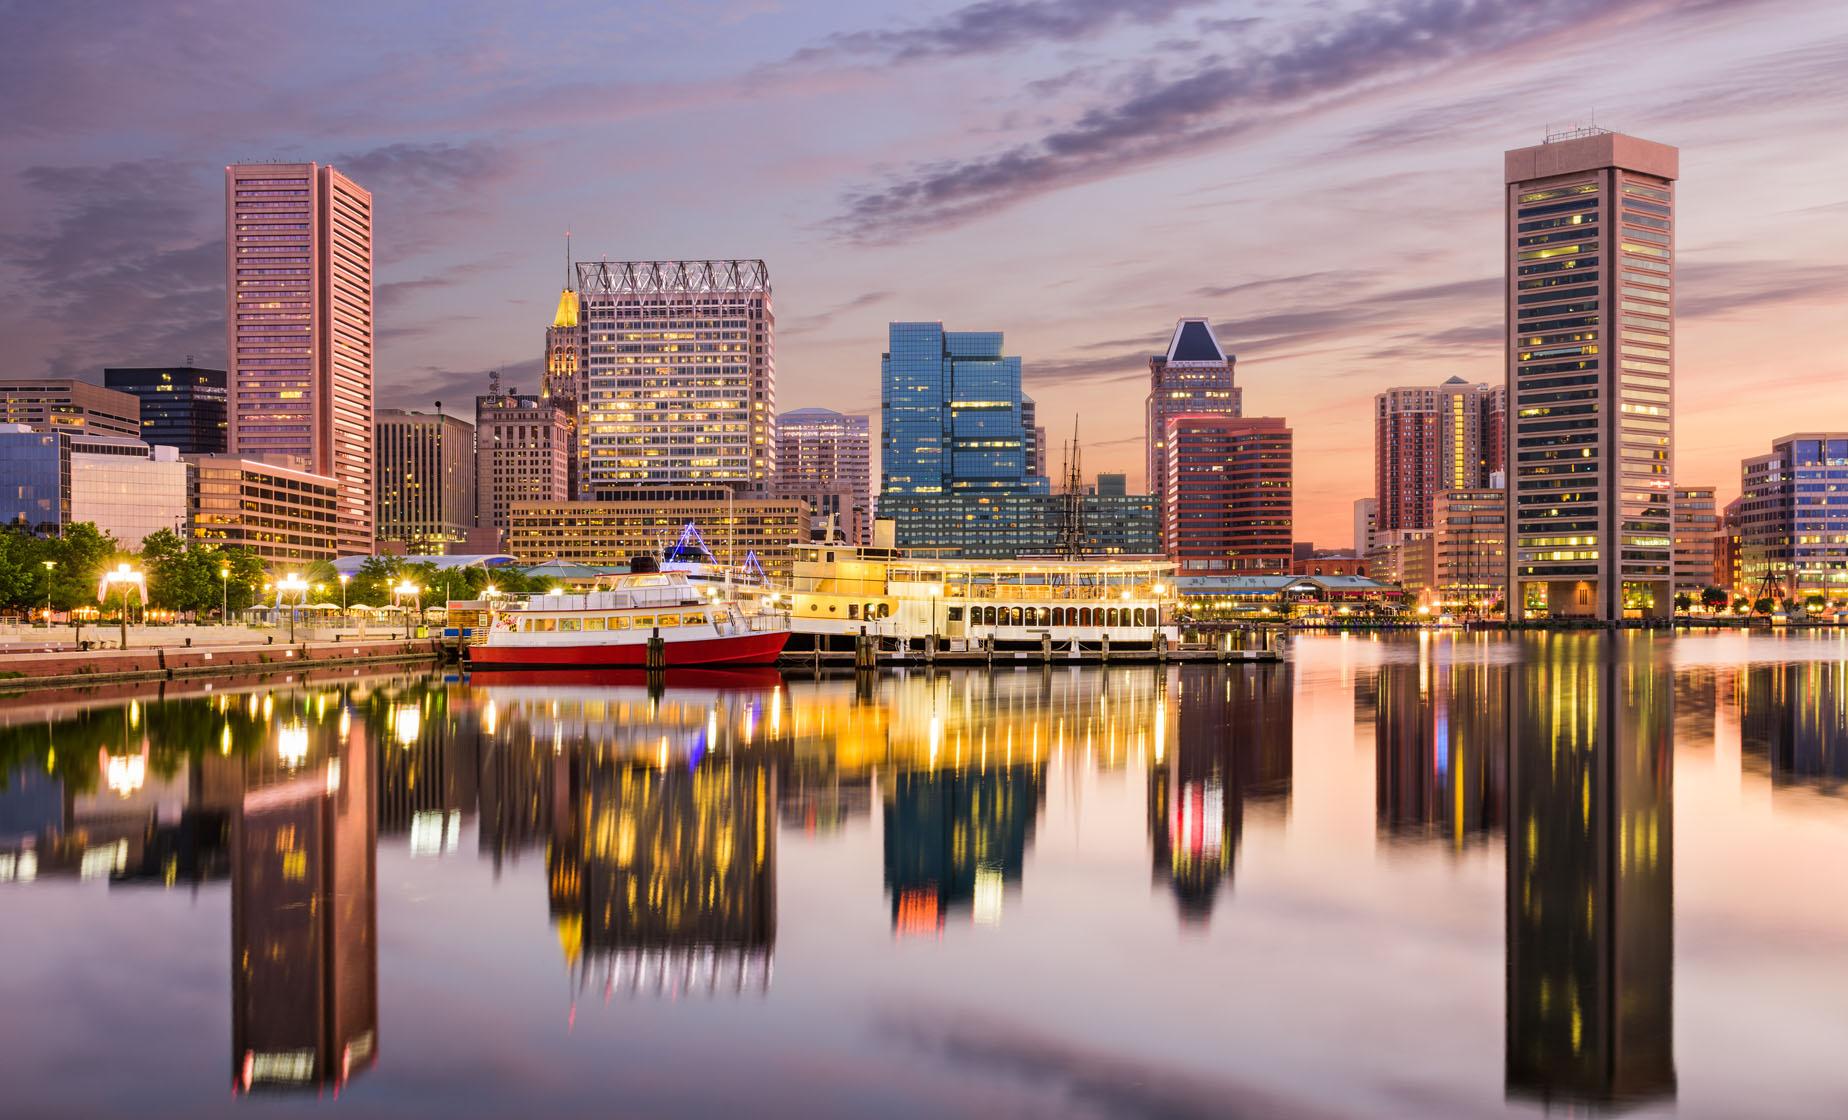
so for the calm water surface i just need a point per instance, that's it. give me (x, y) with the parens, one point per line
(1437, 876)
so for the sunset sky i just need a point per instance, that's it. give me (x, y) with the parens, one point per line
(1322, 179)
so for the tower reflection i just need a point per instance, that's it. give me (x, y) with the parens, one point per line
(304, 897)
(1441, 750)
(1233, 747)
(1590, 890)
(1793, 720)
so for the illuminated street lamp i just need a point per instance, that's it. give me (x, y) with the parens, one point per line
(407, 590)
(292, 584)
(224, 594)
(49, 565)
(343, 600)
(124, 577)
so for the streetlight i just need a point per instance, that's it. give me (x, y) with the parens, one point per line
(224, 594)
(124, 577)
(402, 591)
(343, 603)
(49, 565)
(292, 584)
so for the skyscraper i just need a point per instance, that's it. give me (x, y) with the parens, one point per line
(1697, 522)
(562, 380)
(679, 387)
(522, 454)
(1427, 439)
(1590, 321)
(1227, 500)
(956, 452)
(1792, 519)
(1194, 377)
(426, 480)
(298, 326)
(63, 404)
(182, 407)
(825, 458)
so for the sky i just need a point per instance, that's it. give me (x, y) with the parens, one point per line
(1321, 178)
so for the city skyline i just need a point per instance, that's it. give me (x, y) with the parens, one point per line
(884, 215)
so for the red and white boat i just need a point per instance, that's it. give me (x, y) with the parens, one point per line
(611, 629)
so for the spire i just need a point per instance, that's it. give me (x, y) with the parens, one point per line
(570, 280)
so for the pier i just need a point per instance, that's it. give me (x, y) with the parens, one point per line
(871, 653)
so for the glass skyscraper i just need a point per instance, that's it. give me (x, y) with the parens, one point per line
(1793, 518)
(956, 448)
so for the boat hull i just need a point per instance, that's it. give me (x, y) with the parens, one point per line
(738, 649)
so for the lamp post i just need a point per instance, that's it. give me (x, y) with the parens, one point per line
(1157, 588)
(124, 577)
(292, 584)
(224, 594)
(49, 565)
(344, 579)
(405, 590)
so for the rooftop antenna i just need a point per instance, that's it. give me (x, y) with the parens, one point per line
(494, 389)
(569, 284)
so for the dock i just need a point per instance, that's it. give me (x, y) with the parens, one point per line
(872, 658)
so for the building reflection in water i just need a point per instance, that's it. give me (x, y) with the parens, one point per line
(1590, 890)
(1793, 720)
(659, 811)
(1233, 748)
(1440, 737)
(304, 898)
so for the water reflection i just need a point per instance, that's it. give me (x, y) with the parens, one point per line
(1233, 749)
(653, 813)
(1794, 722)
(1441, 750)
(1590, 891)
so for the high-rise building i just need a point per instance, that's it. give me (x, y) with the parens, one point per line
(1227, 500)
(1793, 519)
(1590, 321)
(63, 404)
(1697, 522)
(1729, 548)
(679, 387)
(561, 383)
(1366, 521)
(182, 407)
(426, 480)
(523, 451)
(1469, 535)
(284, 515)
(956, 452)
(1431, 438)
(1193, 378)
(298, 326)
(825, 459)
(122, 486)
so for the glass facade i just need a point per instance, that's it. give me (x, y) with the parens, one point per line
(182, 408)
(37, 469)
(1793, 519)
(1590, 364)
(957, 447)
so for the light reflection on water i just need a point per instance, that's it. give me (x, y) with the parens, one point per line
(1431, 875)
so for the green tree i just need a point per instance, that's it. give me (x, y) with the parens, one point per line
(1764, 605)
(80, 554)
(1684, 602)
(1713, 598)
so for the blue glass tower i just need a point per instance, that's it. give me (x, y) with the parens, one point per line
(956, 447)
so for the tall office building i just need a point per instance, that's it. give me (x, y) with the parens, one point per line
(562, 379)
(283, 515)
(182, 407)
(522, 454)
(1792, 519)
(1469, 547)
(679, 387)
(956, 450)
(1194, 377)
(825, 458)
(1227, 499)
(298, 325)
(122, 486)
(1590, 321)
(426, 480)
(1432, 438)
(63, 404)
(1697, 522)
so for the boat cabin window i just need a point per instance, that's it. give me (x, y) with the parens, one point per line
(594, 623)
(668, 620)
(618, 622)
(545, 625)
(956, 614)
(853, 610)
(568, 625)
(644, 621)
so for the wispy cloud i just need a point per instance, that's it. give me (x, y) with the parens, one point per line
(809, 324)
(1220, 98)
(993, 27)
